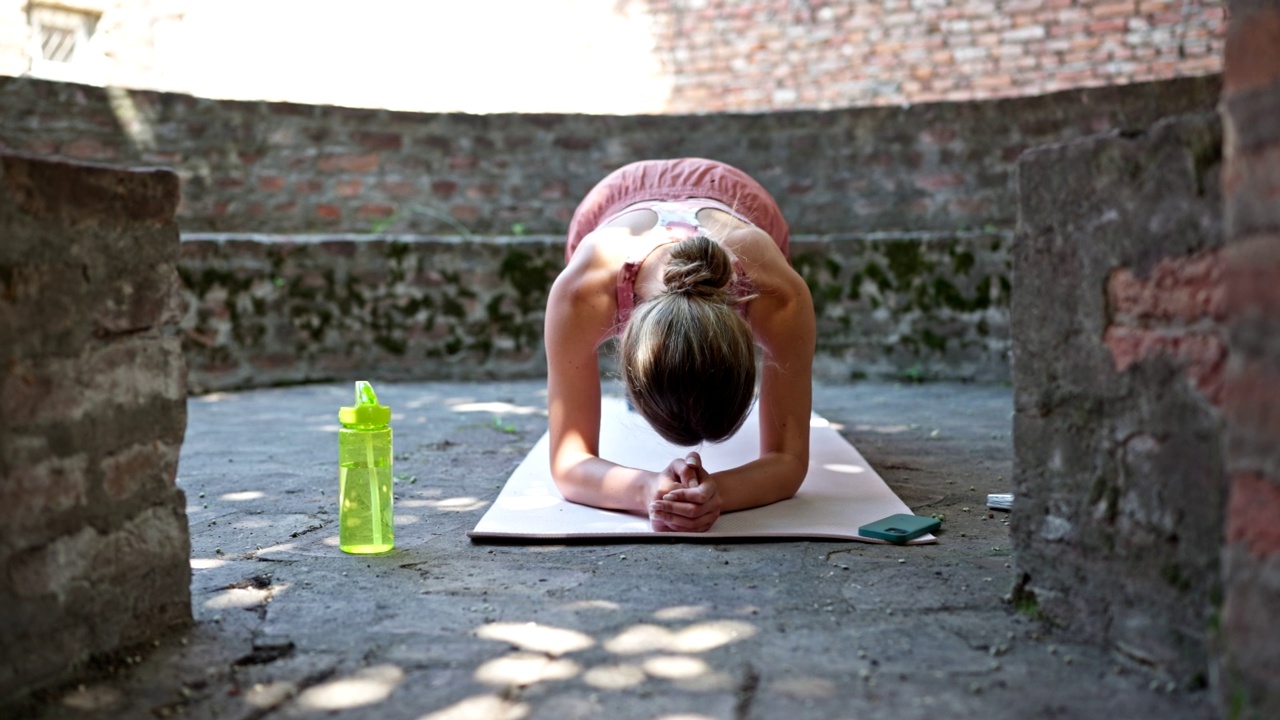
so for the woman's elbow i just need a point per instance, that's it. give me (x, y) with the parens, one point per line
(793, 477)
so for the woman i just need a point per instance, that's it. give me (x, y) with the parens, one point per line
(687, 259)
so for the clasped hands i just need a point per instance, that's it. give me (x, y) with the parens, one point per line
(685, 497)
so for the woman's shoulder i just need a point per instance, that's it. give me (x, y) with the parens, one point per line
(766, 267)
(585, 292)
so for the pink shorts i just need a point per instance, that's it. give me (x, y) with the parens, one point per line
(678, 179)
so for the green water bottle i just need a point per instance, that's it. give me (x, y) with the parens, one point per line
(365, 522)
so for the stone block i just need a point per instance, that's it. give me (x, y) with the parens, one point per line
(1117, 356)
(93, 533)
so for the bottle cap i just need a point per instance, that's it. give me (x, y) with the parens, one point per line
(367, 411)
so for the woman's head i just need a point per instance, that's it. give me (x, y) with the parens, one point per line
(688, 357)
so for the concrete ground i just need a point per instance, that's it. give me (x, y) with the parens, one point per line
(288, 626)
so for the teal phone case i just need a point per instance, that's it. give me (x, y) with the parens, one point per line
(900, 528)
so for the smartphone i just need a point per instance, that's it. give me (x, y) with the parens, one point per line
(900, 528)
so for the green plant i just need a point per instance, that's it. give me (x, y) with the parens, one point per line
(500, 426)
(381, 225)
(914, 374)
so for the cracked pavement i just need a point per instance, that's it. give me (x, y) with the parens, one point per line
(441, 628)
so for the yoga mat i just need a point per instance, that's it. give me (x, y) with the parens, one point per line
(841, 492)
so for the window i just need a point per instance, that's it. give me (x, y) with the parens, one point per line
(60, 31)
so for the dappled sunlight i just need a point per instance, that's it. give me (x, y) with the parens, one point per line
(653, 653)
(489, 707)
(242, 496)
(523, 669)
(213, 397)
(458, 504)
(817, 422)
(135, 123)
(681, 612)
(593, 605)
(252, 523)
(282, 547)
(537, 638)
(241, 598)
(844, 468)
(420, 402)
(528, 502)
(883, 429)
(696, 638)
(495, 408)
(639, 639)
(364, 687)
(420, 501)
(407, 520)
(332, 541)
(614, 677)
(685, 716)
(206, 563)
(266, 696)
(709, 635)
(676, 667)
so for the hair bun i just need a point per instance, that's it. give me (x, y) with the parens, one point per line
(698, 267)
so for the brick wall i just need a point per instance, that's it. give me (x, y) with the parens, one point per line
(754, 55)
(1119, 345)
(1251, 276)
(93, 531)
(281, 168)
(904, 212)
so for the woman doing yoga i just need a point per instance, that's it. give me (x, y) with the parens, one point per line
(687, 260)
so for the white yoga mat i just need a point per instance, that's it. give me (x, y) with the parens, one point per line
(841, 492)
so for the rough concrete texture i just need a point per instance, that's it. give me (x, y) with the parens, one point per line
(285, 168)
(1250, 684)
(93, 535)
(279, 309)
(1118, 345)
(288, 626)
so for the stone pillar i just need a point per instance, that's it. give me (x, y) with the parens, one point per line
(1250, 109)
(1118, 354)
(93, 533)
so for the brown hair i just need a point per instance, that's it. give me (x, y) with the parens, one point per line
(688, 358)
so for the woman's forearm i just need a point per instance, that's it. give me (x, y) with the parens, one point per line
(599, 483)
(773, 477)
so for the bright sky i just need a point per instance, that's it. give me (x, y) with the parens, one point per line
(426, 55)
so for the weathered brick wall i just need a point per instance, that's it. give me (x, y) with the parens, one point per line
(1119, 350)
(266, 310)
(1251, 277)
(863, 185)
(280, 168)
(754, 55)
(93, 532)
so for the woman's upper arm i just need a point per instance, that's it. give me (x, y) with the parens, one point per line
(579, 316)
(785, 326)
